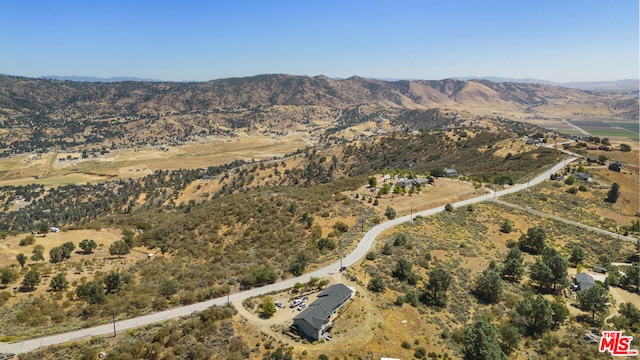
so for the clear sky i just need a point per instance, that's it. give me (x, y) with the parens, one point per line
(557, 40)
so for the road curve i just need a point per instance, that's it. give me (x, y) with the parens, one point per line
(358, 253)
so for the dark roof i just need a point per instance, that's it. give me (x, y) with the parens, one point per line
(581, 176)
(317, 314)
(584, 281)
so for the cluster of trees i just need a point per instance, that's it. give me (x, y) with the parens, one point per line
(59, 253)
(433, 151)
(77, 204)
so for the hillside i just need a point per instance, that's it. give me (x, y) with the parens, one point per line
(45, 113)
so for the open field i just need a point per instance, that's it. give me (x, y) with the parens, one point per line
(611, 129)
(134, 163)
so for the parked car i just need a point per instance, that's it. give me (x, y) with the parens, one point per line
(278, 304)
(302, 306)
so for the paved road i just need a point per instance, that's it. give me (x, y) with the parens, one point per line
(358, 253)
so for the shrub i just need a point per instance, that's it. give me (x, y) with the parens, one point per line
(377, 284)
(371, 255)
(406, 345)
(448, 207)
(390, 213)
(29, 240)
(506, 227)
(570, 180)
(572, 190)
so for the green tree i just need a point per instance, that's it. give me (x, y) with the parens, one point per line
(307, 219)
(56, 254)
(439, 282)
(372, 181)
(560, 312)
(510, 336)
(298, 265)
(629, 317)
(481, 342)
(119, 248)
(390, 213)
(88, 245)
(506, 226)
(593, 299)
(128, 234)
(488, 286)
(259, 275)
(377, 284)
(37, 256)
(385, 189)
(326, 243)
(29, 240)
(448, 207)
(22, 259)
(540, 273)
(42, 227)
(7, 276)
(632, 276)
(577, 255)
(602, 159)
(533, 241)
(625, 147)
(613, 194)
(403, 269)
(558, 266)
(168, 288)
(31, 279)
(267, 307)
(536, 313)
(59, 282)
(92, 292)
(513, 267)
(114, 281)
(67, 249)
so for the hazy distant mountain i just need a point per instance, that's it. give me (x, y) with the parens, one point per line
(96, 79)
(626, 85)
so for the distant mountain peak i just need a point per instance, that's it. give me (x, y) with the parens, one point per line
(96, 79)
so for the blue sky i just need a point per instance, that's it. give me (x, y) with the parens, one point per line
(566, 40)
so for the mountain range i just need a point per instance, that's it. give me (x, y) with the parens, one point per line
(626, 85)
(47, 108)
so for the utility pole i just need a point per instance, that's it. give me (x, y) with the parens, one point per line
(113, 316)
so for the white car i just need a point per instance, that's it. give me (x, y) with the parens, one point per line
(302, 306)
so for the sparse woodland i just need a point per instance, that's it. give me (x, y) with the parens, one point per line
(490, 279)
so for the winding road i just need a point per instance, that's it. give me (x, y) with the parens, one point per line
(358, 253)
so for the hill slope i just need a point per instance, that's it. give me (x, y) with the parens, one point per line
(74, 113)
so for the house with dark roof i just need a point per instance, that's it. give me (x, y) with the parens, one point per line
(592, 160)
(450, 172)
(584, 281)
(313, 321)
(615, 166)
(581, 176)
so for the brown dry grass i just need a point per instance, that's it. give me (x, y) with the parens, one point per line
(78, 266)
(133, 163)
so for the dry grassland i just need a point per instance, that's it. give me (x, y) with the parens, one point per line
(49, 170)
(75, 268)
